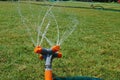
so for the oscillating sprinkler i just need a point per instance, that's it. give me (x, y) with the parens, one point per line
(48, 55)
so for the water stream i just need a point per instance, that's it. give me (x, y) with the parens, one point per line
(41, 29)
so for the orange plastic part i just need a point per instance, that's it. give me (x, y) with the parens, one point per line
(55, 48)
(38, 49)
(59, 55)
(41, 57)
(48, 75)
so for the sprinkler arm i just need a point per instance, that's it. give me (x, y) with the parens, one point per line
(48, 55)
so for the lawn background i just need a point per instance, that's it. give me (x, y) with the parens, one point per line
(92, 50)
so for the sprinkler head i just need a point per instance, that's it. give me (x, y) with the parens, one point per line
(38, 49)
(55, 48)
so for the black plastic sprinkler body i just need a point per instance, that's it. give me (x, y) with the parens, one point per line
(48, 55)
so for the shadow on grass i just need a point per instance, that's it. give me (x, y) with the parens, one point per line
(108, 9)
(76, 78)
(91, 7)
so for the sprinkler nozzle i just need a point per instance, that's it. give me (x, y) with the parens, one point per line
(41, 57)
(55, 48)
(59, 55)
(38, 49)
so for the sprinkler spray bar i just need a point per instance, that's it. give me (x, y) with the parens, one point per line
(48, 55)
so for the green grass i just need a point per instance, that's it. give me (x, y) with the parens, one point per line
(92, 50)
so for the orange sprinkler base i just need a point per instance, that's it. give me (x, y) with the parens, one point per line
(48, 75)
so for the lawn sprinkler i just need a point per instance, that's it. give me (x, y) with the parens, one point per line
(48, 55)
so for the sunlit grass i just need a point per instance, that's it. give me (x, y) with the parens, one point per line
(92, 50)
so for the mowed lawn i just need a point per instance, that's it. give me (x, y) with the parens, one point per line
(92, 50)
